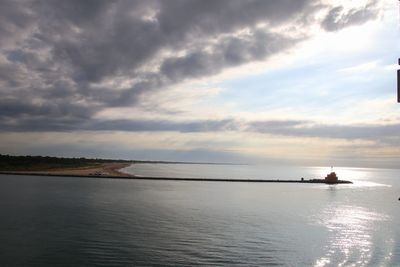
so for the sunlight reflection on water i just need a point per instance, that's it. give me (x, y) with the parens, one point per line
(350, 235)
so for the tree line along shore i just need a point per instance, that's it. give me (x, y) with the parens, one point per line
(46, 163)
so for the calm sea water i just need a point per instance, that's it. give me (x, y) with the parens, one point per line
(49, 221)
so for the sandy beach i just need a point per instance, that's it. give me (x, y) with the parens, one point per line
(103, 170)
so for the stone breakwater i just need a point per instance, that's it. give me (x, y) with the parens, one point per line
(311, 181)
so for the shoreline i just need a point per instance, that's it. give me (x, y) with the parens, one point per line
(132, 177)
(106, 170)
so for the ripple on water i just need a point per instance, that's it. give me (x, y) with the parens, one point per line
(350, 235)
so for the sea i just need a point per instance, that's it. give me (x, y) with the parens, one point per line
(64, 221)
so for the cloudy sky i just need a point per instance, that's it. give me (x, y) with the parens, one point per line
(291, 81)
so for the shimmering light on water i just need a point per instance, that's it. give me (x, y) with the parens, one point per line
(350, 234)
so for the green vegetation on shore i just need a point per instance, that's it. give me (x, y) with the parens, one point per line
(40, 163)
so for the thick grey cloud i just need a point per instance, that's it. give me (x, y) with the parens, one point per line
(48, 110)
(56, 55)
(64, 122)
(145, 125)
(231, 51)
(73, 123)
(385, 133)
(338, 18)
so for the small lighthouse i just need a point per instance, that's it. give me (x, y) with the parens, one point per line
(331, 178)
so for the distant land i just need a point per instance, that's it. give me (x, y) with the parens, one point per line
(109, 168)
(75, 167)
(46, 163)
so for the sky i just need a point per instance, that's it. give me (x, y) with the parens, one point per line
(309, 82)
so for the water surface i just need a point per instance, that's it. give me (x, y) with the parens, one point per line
(88, 221)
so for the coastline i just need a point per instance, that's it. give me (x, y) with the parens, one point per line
(106, 170)
(112, 171)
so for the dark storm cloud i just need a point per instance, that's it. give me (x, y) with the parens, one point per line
(53, 53)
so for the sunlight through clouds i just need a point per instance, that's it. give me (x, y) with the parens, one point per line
(271, 80)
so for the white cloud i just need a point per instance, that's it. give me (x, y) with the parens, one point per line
(368, 66)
